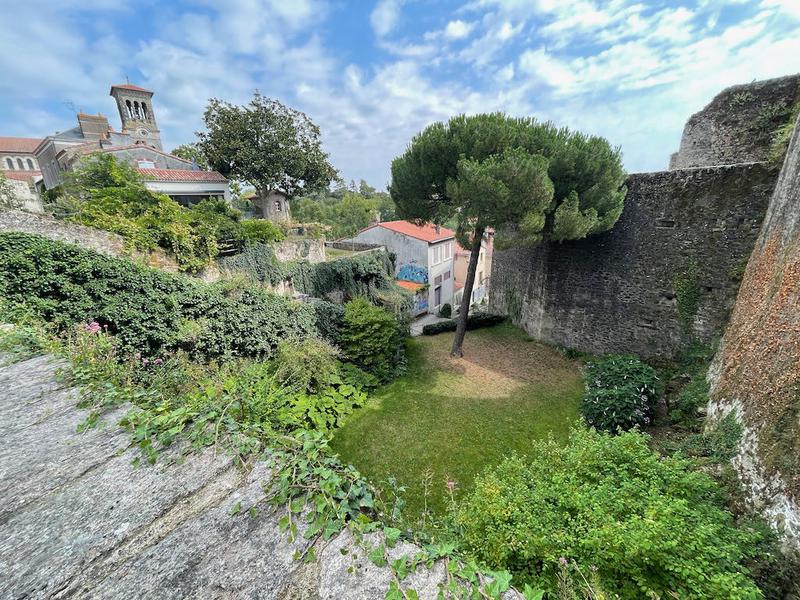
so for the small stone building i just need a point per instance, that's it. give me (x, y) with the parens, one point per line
(272, 205)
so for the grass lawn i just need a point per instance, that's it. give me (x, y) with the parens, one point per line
(450, 418)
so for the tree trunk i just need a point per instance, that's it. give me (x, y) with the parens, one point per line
(466, 298)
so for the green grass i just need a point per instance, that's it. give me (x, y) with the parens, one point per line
(449, 419)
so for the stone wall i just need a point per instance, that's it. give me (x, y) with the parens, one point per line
(737, 125)
(616, 291)
(80, 235)
(311, 250)
(756, 373)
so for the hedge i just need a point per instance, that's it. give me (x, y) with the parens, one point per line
(149, 311)
(475, 321)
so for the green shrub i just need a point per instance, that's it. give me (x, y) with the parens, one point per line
(148, 310)
(328, 319)
(651, 526)
(445, 311)
(261, 231)
(685, 410)
(474, 321)
(308, 365)
(372, 339)
(620, 393)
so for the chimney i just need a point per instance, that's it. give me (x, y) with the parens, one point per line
(438, 229)
(93, 127)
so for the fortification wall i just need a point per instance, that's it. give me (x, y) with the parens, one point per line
(756, 373)
(738, 124)
(616, 292)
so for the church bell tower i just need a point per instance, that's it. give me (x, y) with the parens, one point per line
(136, 113)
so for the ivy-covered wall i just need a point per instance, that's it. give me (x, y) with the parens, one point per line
(668, 270)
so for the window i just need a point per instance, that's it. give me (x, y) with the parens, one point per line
(448, 250)
(144, 110)
(30, 165)
(129, 108)
(446, 275)
(10, 163)
(437, 280)
(19, 163)
(146, 164)
(437, 255)
(278, 206)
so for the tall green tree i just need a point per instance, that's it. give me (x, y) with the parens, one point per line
(530, 181)
(266, 144)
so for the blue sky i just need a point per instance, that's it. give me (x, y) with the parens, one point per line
(373, 73)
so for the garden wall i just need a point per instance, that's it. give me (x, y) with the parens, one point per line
(80, 235)
(683, 238)
(756, 372)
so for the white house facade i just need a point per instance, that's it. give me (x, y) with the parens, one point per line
(424, 259)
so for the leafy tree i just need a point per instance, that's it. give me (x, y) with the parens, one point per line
(192, 152)
(651, 526)
(266, 144)
(530, 181)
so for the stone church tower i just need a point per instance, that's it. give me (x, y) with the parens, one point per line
(136, 113)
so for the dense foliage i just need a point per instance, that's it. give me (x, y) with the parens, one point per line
(621, 392)
(107, 194)
(528, 180)
(344, 212)
(372, 339)
(266, 144)
(148, 310)
(475, 321)
(369, 275)
(650, 526)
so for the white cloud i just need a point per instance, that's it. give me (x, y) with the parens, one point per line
(458, 29)
(384, 17)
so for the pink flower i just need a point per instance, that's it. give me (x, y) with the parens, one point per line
(158, 361)
(145, 361)
(93, 327)
(563, 561)
(451, 485)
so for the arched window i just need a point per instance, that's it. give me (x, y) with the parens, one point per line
(136, 110)
(144, 110)
(129, 108)
(10, 163)
(278, 206)
(19, 163)
(30, 165)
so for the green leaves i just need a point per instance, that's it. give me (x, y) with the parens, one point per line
(265, 144)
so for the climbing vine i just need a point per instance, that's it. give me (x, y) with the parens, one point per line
(687, 294)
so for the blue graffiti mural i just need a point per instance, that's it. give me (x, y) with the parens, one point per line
(420, 302)
(412, 272)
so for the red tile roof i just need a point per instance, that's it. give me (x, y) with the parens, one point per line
(21, 175)
(409, 285)
(427, 233)
(128, 86)
(180, 175)
(19, 144)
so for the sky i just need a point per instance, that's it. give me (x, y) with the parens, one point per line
(372, 73)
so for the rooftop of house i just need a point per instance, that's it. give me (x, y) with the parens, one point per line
(411, 286)
(19, 145)
(180, 175)
(427, 233)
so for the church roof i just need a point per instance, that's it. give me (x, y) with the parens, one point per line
(130, 86)
(19, 144)
(21, 175)
(180, 175)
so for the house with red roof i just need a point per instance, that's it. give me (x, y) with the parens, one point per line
(424, 259)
